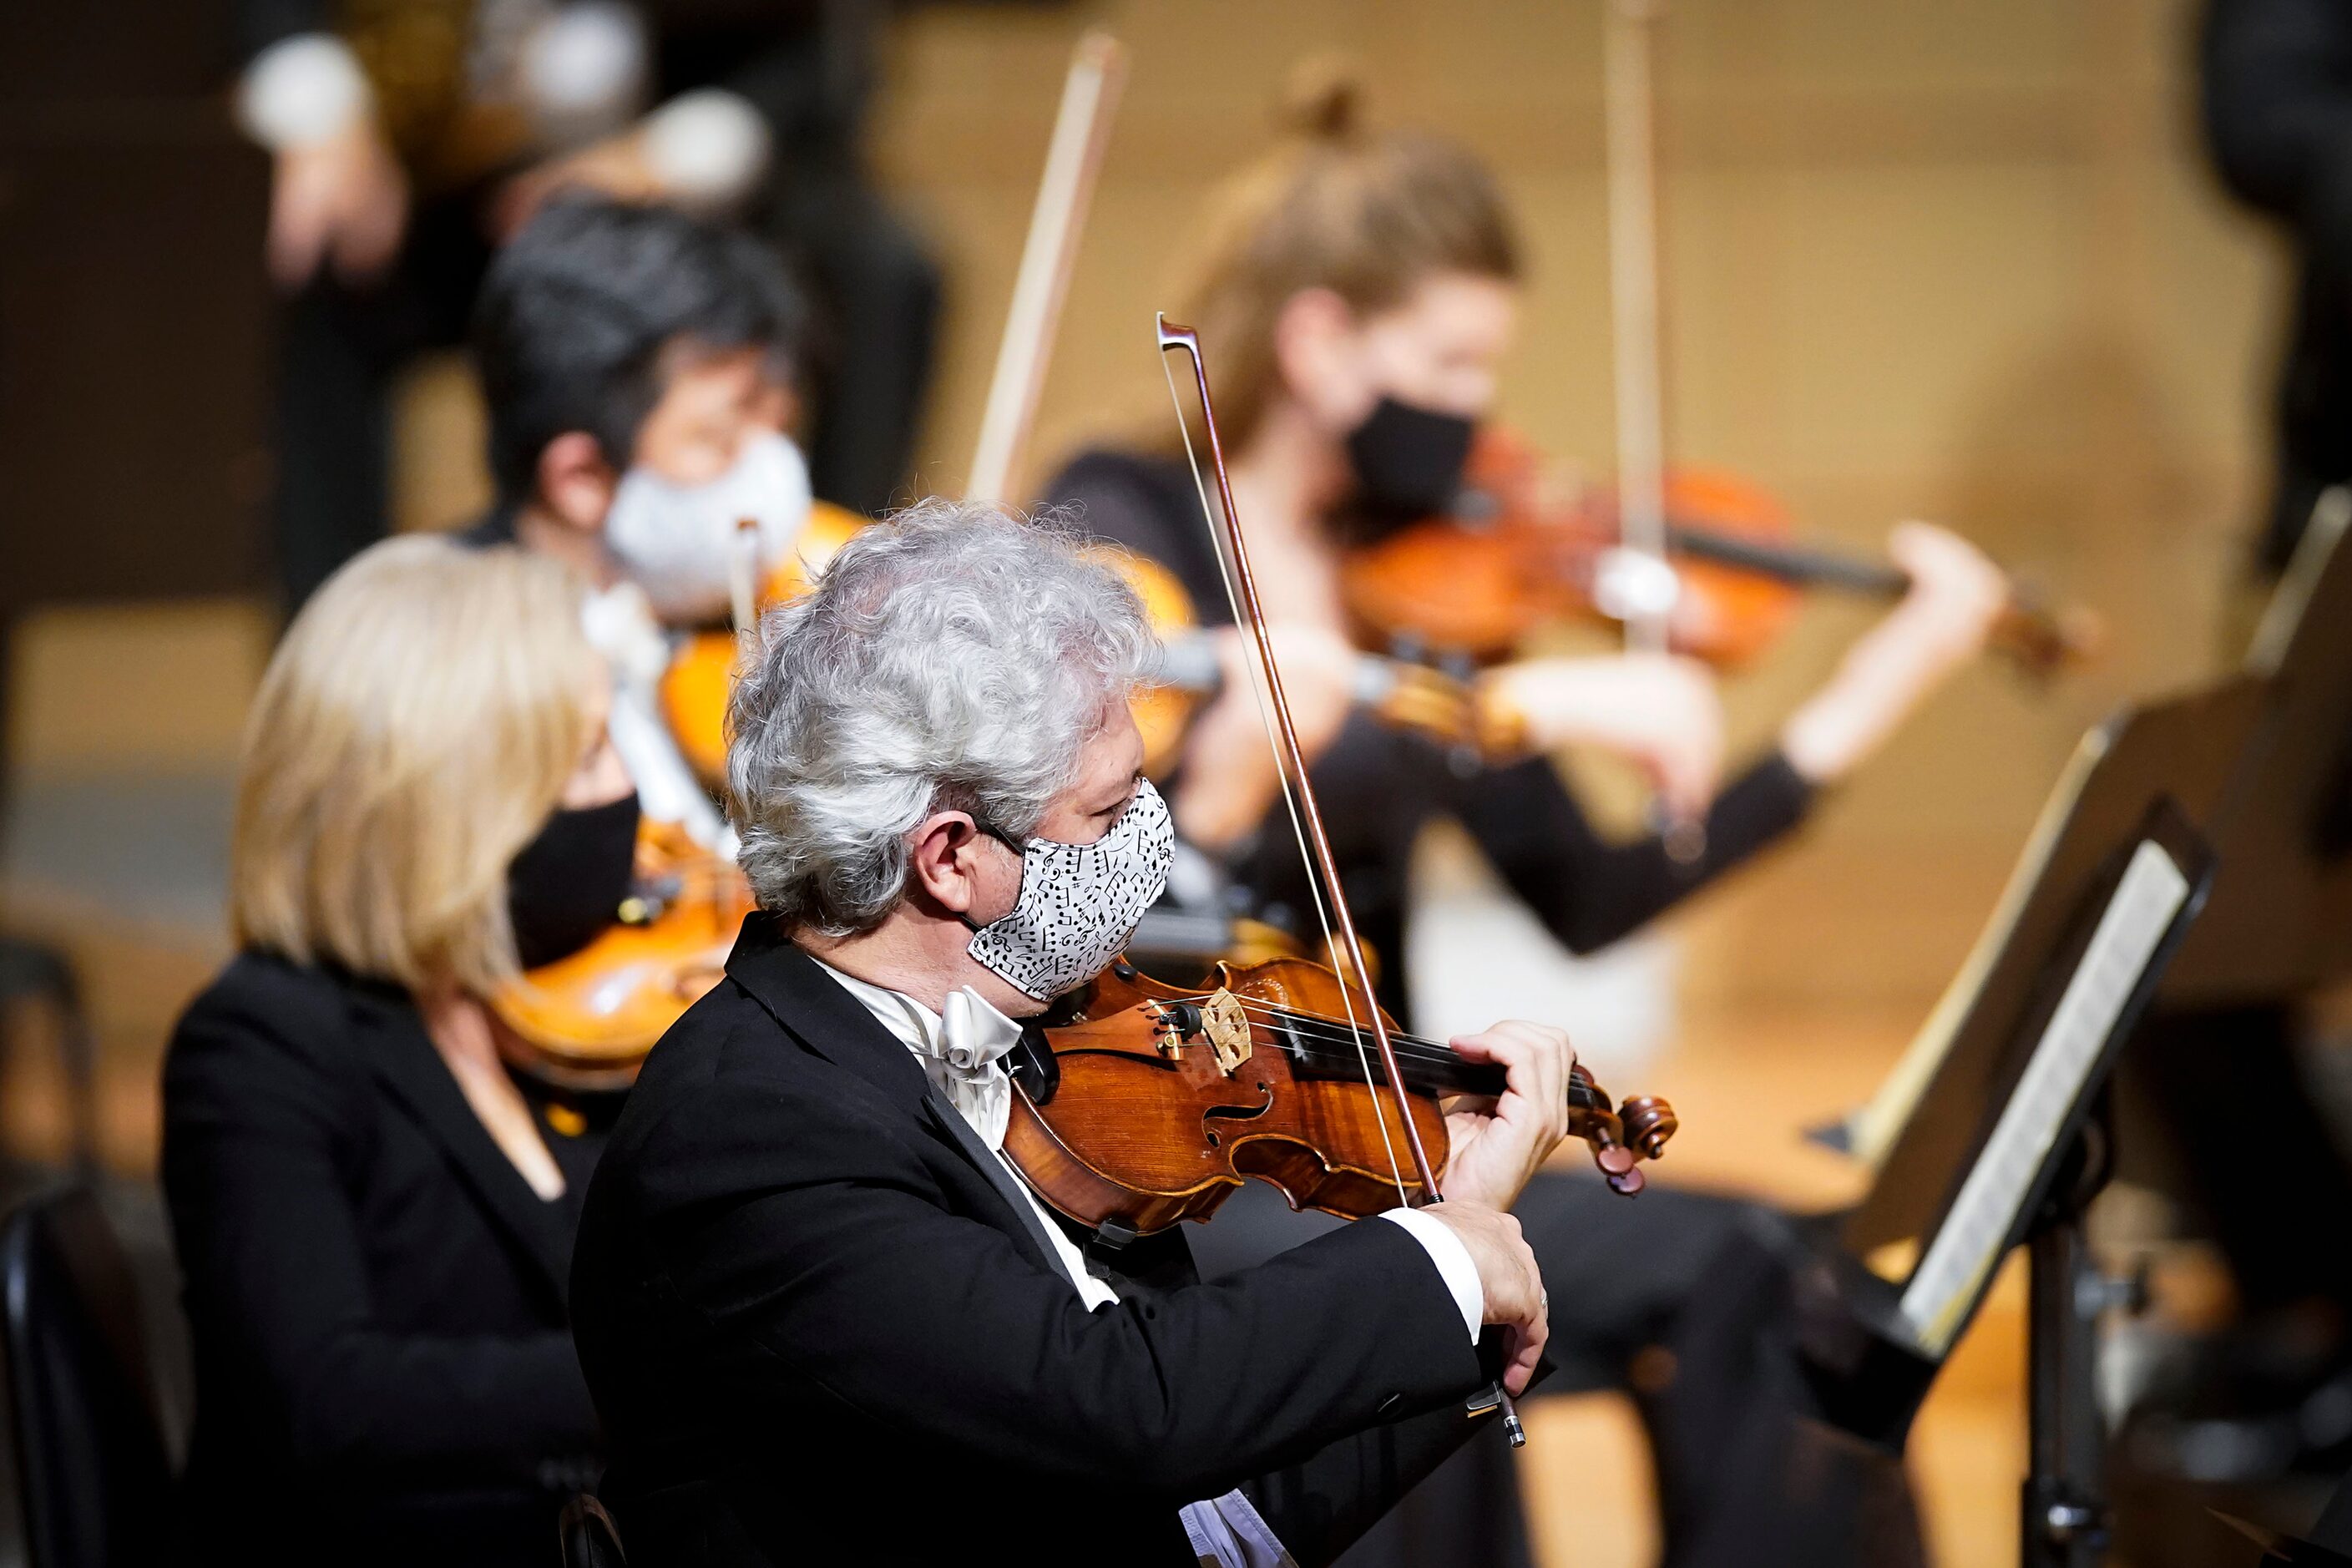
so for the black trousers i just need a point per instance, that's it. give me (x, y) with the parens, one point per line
(1680, 1300)
(878, 293)
(339, 349)
(2197, 1071)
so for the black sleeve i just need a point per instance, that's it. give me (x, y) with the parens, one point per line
(810, 1242)
(808, 78)
(256, 1132)
(262, 22)
(1589, 892)
(1145, 506)
(1319, 1508)
(2276, 82)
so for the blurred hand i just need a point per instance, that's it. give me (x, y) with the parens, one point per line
(1507, 1274)
(1956, 593)
(1230, 778)
(1659, 711)
(342, 201)
(615, 167)
(1956, 598)
(1318, 681)
(1496, 1145)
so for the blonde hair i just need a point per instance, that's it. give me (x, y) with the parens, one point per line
(1367, 214)
(414, 731)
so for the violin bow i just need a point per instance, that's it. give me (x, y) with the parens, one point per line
(1634, 310)
(1073, 158)
(1298, 795)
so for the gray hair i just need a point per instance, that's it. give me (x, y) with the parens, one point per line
(952, 657)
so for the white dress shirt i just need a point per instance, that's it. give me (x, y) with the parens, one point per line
(960, 1052)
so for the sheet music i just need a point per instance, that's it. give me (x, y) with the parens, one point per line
(1970, 1240)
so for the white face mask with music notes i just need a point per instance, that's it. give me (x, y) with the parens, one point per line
(1078, 902)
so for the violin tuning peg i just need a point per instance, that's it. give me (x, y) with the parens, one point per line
(1614, 1159)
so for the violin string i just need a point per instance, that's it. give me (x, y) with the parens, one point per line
(1258, 681)
(1417, 1049)
(1427, 1050)
(1313, 1026)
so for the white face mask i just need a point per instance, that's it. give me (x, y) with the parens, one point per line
(1079, 902)
(678, 543)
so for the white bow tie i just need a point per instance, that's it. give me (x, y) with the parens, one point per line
(962, 1059)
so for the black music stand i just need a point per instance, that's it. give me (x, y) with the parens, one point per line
(2280, 1547)
(2262, 760)
(1994, 1134)
(2280, 921)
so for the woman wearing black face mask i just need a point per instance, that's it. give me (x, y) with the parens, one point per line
(374, 1215)
(1356, 297)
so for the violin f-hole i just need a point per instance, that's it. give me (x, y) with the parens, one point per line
(1239, 1112)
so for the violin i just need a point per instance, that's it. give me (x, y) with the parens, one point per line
(700, 677)
(1151, 1104)
(1406, 695)
(585, 1022)
(1514, 555)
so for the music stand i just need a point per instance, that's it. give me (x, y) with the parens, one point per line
(2280, 1547)
(2280, 920)
(2186, 749)
(2249, 766)
(1998, 1137)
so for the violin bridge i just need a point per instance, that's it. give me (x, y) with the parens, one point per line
(1226, 1023)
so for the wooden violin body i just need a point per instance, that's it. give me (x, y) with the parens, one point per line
(1155, 1102)
(700, 678)
(585, 1022)
(1454, 713)
(1518, 553)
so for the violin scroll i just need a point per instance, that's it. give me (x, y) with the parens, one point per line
(1619, 1138)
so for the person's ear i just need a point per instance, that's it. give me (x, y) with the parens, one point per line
(575, 481)
(944, 862)
(1317, 352)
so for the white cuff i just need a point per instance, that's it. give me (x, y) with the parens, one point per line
(707, 147)
(1228, 1533)
(582, 72)
(302, 90)
(1452, 1259)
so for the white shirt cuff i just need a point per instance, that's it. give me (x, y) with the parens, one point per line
(1452, 1259)
(302, 90)
(1227, 1533)
(708, 147)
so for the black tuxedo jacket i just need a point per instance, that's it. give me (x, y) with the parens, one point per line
(822, 1326)
(384, 1369)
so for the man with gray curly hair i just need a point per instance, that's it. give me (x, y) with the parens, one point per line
(823, 1317)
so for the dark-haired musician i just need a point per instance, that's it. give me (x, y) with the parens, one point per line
(638, 366)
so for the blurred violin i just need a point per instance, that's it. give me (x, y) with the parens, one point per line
(1150, 1104)
(584, 1023)
(1455, 714)
(701, 674)
(1516, 555)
